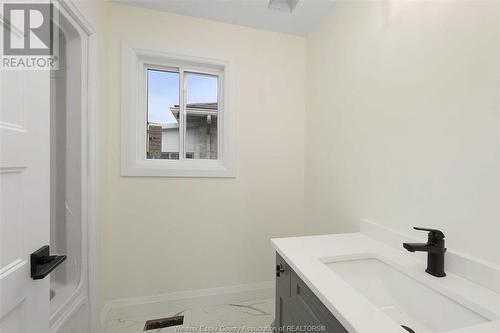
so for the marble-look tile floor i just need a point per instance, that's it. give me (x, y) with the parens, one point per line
(254, 316)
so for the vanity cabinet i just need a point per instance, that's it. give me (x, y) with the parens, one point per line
(297, 308)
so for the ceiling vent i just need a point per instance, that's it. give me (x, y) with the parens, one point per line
(283, 5)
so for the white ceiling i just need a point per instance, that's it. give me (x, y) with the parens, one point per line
(252, 13)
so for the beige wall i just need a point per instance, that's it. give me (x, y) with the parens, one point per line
(401, 127)
(402, 120)
(162, 235)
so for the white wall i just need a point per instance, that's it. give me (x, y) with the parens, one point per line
(402, 120)
(162, 235)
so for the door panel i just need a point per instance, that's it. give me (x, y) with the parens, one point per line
(24, 198)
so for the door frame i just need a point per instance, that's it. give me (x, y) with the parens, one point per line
(90, 179)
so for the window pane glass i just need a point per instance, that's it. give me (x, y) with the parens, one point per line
(201, 116)
(163, 115)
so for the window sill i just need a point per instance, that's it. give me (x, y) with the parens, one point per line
(174, 168)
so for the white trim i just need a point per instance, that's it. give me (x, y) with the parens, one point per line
(182, 114)
(479, 271)
(94, 162)
(140, 306)
(90, 279)
(65, 311)
(133, 156)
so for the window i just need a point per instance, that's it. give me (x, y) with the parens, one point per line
(193, 122)
(175, 116)
(163, 124)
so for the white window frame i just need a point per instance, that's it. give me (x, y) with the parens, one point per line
(136, 59)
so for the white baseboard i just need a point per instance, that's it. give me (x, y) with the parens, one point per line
(474, 269)
(140, 306)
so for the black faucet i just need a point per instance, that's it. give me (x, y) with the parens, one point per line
(435, 251)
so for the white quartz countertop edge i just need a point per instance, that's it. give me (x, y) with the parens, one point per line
(355, 312)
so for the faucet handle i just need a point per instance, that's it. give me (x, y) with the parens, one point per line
(433, 233)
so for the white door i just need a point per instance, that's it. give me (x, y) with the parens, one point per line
(24, 198)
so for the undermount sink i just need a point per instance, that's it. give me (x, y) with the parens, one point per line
(407, 301)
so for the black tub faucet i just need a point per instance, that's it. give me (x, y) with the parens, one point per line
(435, 251)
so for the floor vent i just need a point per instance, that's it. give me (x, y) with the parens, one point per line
(163, 322)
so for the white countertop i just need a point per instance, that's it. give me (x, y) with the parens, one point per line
(355, 312)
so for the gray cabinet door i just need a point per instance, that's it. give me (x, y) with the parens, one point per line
(297, 308)
(284, 312)
(310, 309)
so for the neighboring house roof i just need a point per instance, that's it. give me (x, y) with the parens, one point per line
(210, 106)
(198, 109)
(164, 126)
(193, 109)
